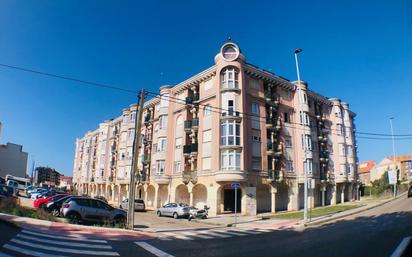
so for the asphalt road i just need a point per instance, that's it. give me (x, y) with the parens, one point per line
(376, 232)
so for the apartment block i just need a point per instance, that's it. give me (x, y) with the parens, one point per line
(231, 123)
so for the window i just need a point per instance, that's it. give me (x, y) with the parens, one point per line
(164, 100)
(206, 163)
(288, 141)
(207, 110)
(256, 139)
(339, 130)
(230, 133)
(208, 84)
(130, 134)
(341, 149)
(308, 166)
(178, 143)
(257, 163)
(289, 166)
(349, 151)
(342, 170)
(229, 78)
(160, 167)
(161, 144)
(286, 117)
(177, 167)
(304, 118)
(230, 106)
(306, 142)
(230, 159)
(162, 122)
(255, 108)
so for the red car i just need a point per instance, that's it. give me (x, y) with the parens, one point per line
(38, 203)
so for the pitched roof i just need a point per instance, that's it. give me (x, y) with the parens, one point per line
(364, 167)
(402, 158)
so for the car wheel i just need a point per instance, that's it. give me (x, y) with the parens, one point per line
(175, 215)
(74, 218)
(55, 213)
(120, 219)
(159, 214)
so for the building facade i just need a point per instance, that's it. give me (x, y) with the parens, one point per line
(13, 160)
(232, 122)
(46, 176)
(364, 172)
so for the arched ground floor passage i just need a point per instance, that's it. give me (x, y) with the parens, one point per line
(221, 198)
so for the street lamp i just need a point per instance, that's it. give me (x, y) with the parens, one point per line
(394, 159)
(305, 165)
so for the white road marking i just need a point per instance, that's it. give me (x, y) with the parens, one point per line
(73, 244)
(230, 233)
(30, 252)
(401, 247)
(64, 250)
(153, 250)
(170, 234)
(252, 232)
(195, 234)
(214, 234)
(84, 239)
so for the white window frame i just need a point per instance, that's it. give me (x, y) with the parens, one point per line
(230, 159)
(225, 136)
(162, 121)
(161, 144)
(207, 111)
(177, 167)
(160, 167)
(230, 78)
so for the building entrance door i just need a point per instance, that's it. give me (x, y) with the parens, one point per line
(229, 200)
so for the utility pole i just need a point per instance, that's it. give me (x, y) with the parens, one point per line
(134, 171)
(33, 180)
(394, 160)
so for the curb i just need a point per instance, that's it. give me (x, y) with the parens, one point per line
(314, 223)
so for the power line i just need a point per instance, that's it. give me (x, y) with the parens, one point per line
(107, 86)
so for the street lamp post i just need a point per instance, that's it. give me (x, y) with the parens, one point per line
(394, 159)
(305, 168)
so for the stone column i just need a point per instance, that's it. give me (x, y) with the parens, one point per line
(350, 192)
(273, 191)
(156, 198)
(145, 186)
(293, 192)
(212, 200)
(190, 189)
(323, 189)
(334, 199)
(342, 196)
(357, 193)
(112, 187)
(119, 192)
(249, 204)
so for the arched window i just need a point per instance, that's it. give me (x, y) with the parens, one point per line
(207, 110)
(179, 120)
(229, 78)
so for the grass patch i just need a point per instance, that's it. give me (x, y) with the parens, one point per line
(320, 211)
(10, 206)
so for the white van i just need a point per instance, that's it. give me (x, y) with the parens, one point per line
(18, 183)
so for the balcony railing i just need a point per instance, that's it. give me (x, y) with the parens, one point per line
(323, 156)
(191, 124)
(230, 85)
(270, 148)
(191, 99)
(147, 119)
(190, 149)
(230, 113)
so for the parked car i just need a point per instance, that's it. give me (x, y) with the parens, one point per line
(175, 210)
(138, 205)
(6, 191)
(38, 193)
(41, 202)
(55, 206)
(79, 209)
(101, 198)
(410, 192)
(32, 190)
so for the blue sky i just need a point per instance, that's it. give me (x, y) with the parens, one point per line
(359, 51)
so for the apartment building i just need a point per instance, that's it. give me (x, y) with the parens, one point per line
(364, 171)
(232, 122)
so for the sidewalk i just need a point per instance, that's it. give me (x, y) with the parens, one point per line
(58, 228)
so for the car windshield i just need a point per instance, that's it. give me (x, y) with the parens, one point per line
(182, 205)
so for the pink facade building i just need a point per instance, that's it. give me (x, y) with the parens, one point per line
(232, 122)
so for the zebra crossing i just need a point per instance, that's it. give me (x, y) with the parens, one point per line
(32, 243)
(210, 234)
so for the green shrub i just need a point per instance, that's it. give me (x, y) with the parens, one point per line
(10, 206)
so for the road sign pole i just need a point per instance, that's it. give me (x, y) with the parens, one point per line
(235, 206)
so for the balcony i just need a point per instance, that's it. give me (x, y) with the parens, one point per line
(270, 149)
(147, 119)
(146, 160)
(274, 175)
(162, 179)
(230, 85)
(191, 124)
(189, 150)
(269, 123)
(229, 114)
(324, 157)
(230, 176)
(192, 99)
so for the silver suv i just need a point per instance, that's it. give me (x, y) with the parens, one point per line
(138, 204)
(175, 210)
(78, 209)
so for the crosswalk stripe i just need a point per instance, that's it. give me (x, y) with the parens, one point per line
(229, 232)
(30, 252)
(252, 232)
(178, 236)
(64, 243)
(264, 230)
(84, 239)
(213, 233)
(153, 250)
(64, 250)
(195, 235)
